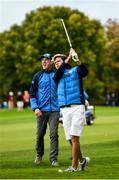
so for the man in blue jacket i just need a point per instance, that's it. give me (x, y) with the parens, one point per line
(43, 99)
(72, 104)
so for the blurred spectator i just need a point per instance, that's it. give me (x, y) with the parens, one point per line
(5, 104)
(19, 101)
(11, 100)
(113, 99)
(0, 105)
(108, 99)
(26, 99)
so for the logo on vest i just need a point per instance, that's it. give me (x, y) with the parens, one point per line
(70, 71)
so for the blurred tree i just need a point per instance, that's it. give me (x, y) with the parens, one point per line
(111, 78)
(41, 32)
(10, 50)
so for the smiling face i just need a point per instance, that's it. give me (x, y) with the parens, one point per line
(58, 61)
(46, 64)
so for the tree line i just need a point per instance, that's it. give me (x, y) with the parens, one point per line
(97, 46)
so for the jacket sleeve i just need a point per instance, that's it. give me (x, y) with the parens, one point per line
(82, 70)
(33, 92)
(59, 73)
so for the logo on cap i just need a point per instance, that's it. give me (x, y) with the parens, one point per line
(46, 55)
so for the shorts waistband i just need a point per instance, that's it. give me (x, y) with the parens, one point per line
(71, 105)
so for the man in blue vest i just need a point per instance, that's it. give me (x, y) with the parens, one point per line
(43, 99)
(72, 104)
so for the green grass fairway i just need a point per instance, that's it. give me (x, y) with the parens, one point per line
(17, 147)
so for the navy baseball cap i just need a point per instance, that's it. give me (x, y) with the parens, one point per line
(46, 55)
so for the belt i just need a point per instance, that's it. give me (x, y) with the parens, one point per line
(70, 105)
(65, 106)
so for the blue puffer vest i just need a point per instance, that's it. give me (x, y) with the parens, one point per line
(70, 88)
(43, 92)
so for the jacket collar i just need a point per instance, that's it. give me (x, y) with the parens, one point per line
(46, 71)
(68, 66)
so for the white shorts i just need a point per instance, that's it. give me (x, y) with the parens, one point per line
(73, 120)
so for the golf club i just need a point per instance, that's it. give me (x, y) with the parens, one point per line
(70, 44)
(74, 55)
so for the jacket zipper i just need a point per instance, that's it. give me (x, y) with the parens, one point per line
(65, 90)
(50, 92)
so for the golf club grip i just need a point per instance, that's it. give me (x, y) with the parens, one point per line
(70, 45)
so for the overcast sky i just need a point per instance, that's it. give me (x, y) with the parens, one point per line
(13, 11)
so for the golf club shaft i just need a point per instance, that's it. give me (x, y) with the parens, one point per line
(70, 45)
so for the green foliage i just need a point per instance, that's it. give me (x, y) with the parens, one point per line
(41, 32)
(112, 61)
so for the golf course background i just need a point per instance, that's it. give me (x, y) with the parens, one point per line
(17, 147)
